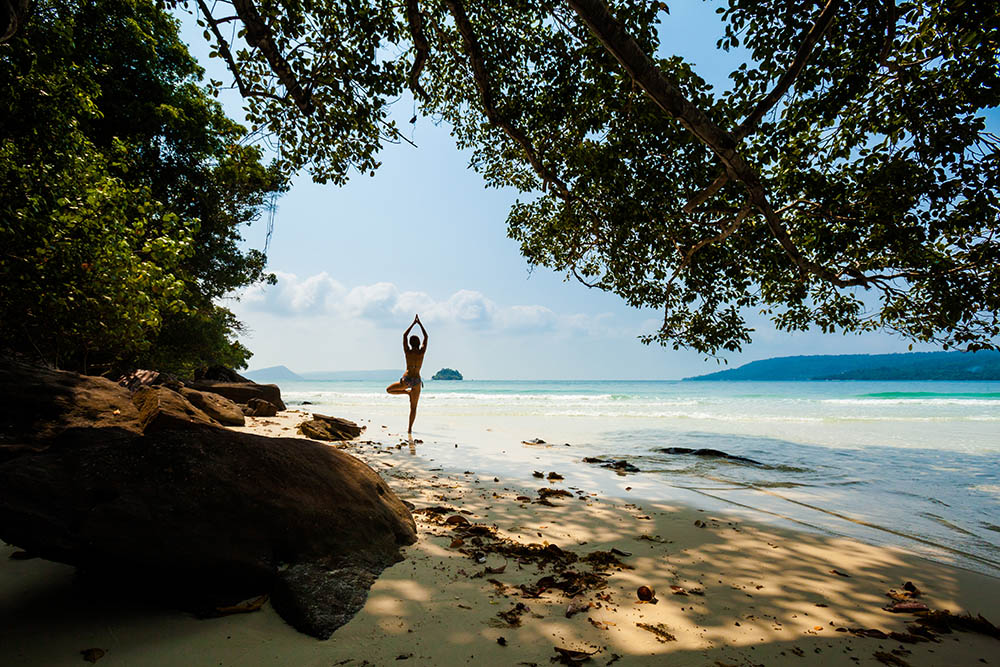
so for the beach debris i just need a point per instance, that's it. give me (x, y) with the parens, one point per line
(539, 475)
(840, 574)
(906, 607)
(645, 593)
(456, 543)
(547, 493)
(555, 476)
(404, 656)
(619, 552)
(533, 441)
(706, 453)
(502, 641)
(661, 632)
(621, 466)
(244, 607)
(576, 606)
(652, 538)
(92, 655)
(523, 499)
(889, 659)
(593, 459)
(907, 592)
(435, 511)
(700, 523)
(943, 622)
(600, 625)
(496, 570)
(680, 590)
(614, 658)
(512, 616)
(603, 560)
(457, 520)
(568, 656)
(570, 582)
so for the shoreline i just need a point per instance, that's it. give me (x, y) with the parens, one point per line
(798, 483)
(768, 593)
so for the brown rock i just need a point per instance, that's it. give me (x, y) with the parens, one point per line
(163, 409)
(258, 407)
(241, 392)
(210, 511)
(219, 408)
(323, 427)
(39, 403)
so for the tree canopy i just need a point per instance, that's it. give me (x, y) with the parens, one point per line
(124, 189)
(845, 179)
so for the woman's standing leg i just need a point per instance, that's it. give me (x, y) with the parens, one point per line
(414, 397)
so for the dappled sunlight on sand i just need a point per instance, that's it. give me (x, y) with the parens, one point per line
(753, 592)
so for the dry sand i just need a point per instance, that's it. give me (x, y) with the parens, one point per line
(769, 595)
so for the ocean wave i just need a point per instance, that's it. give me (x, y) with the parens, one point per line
(935, 394)
(921, 400)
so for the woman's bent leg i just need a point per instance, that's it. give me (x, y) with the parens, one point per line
(397, 388)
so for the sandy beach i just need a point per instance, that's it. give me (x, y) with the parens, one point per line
(501, 575)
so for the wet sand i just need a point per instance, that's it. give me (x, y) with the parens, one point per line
(473, 589)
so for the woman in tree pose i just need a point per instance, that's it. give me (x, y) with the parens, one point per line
(411, 383)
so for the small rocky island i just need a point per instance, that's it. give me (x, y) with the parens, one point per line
(447, 374)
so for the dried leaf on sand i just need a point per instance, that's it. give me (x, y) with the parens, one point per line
(661, 631)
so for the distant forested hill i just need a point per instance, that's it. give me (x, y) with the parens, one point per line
(983, 365)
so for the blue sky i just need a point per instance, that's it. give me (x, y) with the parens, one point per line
(424, 235)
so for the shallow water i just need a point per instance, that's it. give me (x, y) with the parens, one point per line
(914, 464)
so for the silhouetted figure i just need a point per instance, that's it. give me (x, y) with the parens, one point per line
(411, 383)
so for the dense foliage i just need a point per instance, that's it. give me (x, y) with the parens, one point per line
(123, 188)
(846, 179)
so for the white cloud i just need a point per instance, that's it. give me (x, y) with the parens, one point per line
(315, 295)
(384, 305)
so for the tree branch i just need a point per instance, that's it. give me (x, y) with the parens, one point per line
(13, 14)
(227, 55)
(707, 193)
(482, 78)
(890, 32)
(415, 21)
(809, 42)
(667, 95)
(259, 36)
(722, 236)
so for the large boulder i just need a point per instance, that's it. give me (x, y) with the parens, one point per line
(207, 509)
(160, 495)
(218, 407)
(162, 409)
(37, 404)
(241, 392)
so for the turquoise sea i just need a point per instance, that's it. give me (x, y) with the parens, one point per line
(912, 464)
